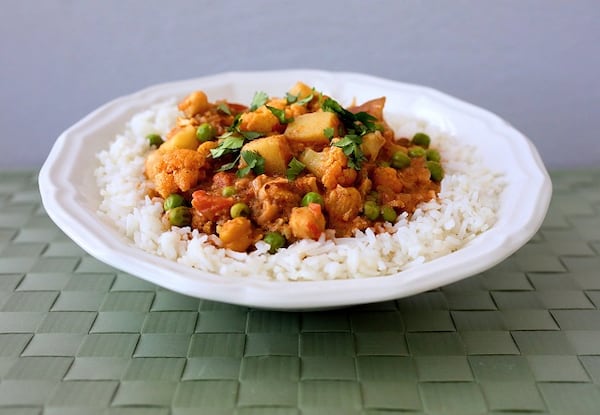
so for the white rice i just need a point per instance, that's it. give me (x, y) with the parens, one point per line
(465, 208)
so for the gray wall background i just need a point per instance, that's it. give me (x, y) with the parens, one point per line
(535, 63)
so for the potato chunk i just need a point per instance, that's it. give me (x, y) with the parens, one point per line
(309, 128)
(275, 150)
(300, 90)
(181, 137)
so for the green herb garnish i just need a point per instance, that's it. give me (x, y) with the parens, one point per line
(280, 114)
(329, 132)
(260, 98)
(350, 145)
(295, 167)
(230, 165)
(356, 125)
(291, 99)
(223, 107)
(229, 145)
(360, 123)
(232, 141)
(254, 162)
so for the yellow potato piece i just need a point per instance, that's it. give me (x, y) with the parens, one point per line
(181, 137)
(275, 150)
(309, 128)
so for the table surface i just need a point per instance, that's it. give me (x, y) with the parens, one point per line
(77, 336)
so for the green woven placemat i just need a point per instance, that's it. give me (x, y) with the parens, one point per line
(78, 337)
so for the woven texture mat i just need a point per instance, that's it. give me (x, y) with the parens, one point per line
(79, 337)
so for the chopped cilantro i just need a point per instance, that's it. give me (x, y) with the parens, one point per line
(295, 99)
(290, 98)
(356, 125)
(329, 132)
(280, 114)
(254, 162)
(230, 165)
(260, 98)
(232, 141)
(295, 167)
(350, 145)
(223, 107)
(360, 123)
(229, 145)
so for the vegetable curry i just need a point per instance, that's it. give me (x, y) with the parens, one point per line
(284, 169)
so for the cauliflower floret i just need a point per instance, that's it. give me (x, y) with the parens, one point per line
(343, 203)
(275, 198)
(262, 120)
(175, 171)
(194, 103)
(330, 166)
(387, 177)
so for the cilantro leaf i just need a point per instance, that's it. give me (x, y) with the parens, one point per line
(227, 146)
(329, 132)
(291, 99)
(232, 141)
(350, 145)
(360, 123)
(251, 135)
(356, 125)
(223, 107)
(231, 165)
(254, 161)
(295, 167)
(260, 98)
(367, 120)
(280, 114)
(346, 117)
(306, 99)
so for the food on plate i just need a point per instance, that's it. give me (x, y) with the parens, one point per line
(293, 188)
(295, 167)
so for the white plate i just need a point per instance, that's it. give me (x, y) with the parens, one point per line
(71, 197)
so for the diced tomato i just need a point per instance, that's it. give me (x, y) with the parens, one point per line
(209, 205)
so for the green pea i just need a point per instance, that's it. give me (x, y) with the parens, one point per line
(414, 152)
(433, 155)
(239, 209)
(388, 213)
(436, 171)
(400, 160)
(180, 216)
(205, 132)
(275, 239)
(228, 191)
(154, 139)
(383, 164)
(421, 139)
(312, 197)
(172, 201)
(371, 209)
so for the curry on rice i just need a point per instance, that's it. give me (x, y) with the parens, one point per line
(284, 169)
